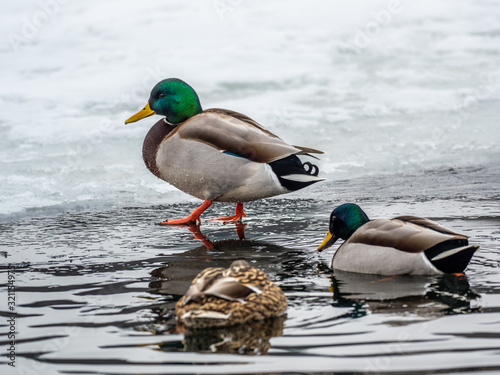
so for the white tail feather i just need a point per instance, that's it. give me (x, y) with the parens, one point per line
(301, 177)
(199, 314)
(448, 253)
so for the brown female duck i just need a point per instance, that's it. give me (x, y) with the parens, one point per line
(225, 297)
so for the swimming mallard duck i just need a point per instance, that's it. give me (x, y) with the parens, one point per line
(217, 154)
(224, 297)
(403, 245)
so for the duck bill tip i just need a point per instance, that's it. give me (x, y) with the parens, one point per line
(327, 242)
(143, 113)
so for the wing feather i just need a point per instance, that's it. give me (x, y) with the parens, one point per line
(428, 224)
(404, 234)
(231, 289)
(235, 133)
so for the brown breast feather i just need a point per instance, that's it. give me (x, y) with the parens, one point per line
(155, 136)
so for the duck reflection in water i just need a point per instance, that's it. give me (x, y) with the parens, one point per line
(421, 296)
(195, 229)
(252, 338)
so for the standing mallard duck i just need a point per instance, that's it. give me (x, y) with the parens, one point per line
(217, 154)
(403, 245)
(224, 297)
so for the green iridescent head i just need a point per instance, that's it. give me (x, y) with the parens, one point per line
(344, 221)
(172, 98)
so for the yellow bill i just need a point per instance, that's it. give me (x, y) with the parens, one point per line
(327, 242)
(143, 113)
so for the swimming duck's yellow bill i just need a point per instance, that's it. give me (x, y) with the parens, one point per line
(327, 242)
(143, 113)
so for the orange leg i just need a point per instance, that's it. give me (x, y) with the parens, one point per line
(238, 215)
(193, 218)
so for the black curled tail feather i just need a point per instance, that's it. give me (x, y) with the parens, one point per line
(293, 175)
(311, 168)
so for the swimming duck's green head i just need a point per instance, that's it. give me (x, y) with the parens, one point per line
(344, 221)
(172, 98)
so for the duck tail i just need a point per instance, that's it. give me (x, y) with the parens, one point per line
(293, 174)
(451, 259)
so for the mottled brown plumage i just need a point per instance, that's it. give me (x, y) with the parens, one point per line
(225, 297)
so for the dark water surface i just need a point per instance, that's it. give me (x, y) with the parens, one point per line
(96, 290)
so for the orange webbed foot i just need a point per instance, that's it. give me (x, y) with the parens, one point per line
(238, 215)
(191, 219)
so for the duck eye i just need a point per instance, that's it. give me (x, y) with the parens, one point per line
(336, 225)
(162, 95)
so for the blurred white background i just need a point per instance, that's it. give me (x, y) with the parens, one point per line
(380, 86)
